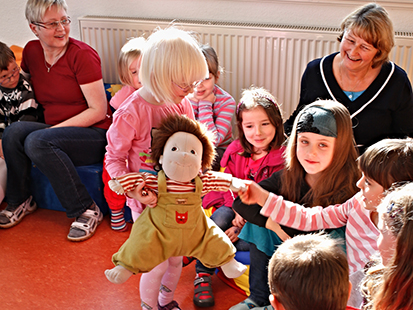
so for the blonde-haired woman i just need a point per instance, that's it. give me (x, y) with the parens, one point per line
(377, 92)
(66, 76)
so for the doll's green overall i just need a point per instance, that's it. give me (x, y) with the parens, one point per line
(177, 226)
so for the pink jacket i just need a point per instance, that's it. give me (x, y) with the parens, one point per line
(235, 164)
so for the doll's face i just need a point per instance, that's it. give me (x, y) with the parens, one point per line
(182, 157)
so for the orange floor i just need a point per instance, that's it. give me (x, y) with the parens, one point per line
(41, 269)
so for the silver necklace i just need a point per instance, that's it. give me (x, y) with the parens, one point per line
(54, 62)
(356, 85)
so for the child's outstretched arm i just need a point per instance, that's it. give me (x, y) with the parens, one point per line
(307, 219)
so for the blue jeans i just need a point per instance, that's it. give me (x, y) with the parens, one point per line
(258, 276)
(222, 217)
(56, 152)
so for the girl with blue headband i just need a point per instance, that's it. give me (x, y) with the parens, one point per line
(320, 169)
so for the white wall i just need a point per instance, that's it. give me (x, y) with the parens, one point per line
(14, 28)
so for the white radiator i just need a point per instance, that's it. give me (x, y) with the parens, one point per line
(271, 56)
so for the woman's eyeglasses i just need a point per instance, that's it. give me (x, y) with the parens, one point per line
(54, 25)
(7, 78)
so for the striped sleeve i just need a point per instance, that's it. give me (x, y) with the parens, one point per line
(307, 219)
(217, 116)
(215, 181)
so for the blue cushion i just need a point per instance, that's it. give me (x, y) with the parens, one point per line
(46, 198)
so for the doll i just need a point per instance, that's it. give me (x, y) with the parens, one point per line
(177, 225)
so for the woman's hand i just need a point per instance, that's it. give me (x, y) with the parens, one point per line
(144, 196)
(253, 194)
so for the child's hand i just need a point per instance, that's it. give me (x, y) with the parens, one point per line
(253, 194)
(211, 98)
(144, 196)
(238, 221)
(233, 233)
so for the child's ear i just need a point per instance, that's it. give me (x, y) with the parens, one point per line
(160, 159)
(275, 303)
(350, 286)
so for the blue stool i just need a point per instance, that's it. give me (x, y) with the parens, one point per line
(46, 198)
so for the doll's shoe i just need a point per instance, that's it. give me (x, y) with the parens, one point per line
(245, 305)
(172, 305)
(13, 215)
(203, 296)
(85, 225)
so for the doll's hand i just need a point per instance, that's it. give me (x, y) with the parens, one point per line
(144, 196)
(233, 233)
(238, 221)
(253, 194)
(239, 184)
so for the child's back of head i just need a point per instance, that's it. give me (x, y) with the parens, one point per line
(309, 272)
(130, 52)
(388, 161)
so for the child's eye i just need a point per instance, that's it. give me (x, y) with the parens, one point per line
(192, 152)
(323, 145)
(266, 124)
(173, 149)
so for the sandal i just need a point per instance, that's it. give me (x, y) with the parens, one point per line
(172, 305)
(85, 225)
(203, 296)
(12, 215)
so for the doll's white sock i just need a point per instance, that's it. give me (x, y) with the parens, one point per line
(170, 281)
(150, 284)
(118, 274)
(233, 269)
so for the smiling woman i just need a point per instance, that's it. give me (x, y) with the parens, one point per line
(67, 80)
(376, 91)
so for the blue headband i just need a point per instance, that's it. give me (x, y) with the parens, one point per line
(317, 120)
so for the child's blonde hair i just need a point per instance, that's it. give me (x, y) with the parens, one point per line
(171, 56)
(129, 52)
(252, 98)
(337, 182)
(310, 272)
(396, 211)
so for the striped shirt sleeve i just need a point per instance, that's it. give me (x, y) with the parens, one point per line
(307, 219)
